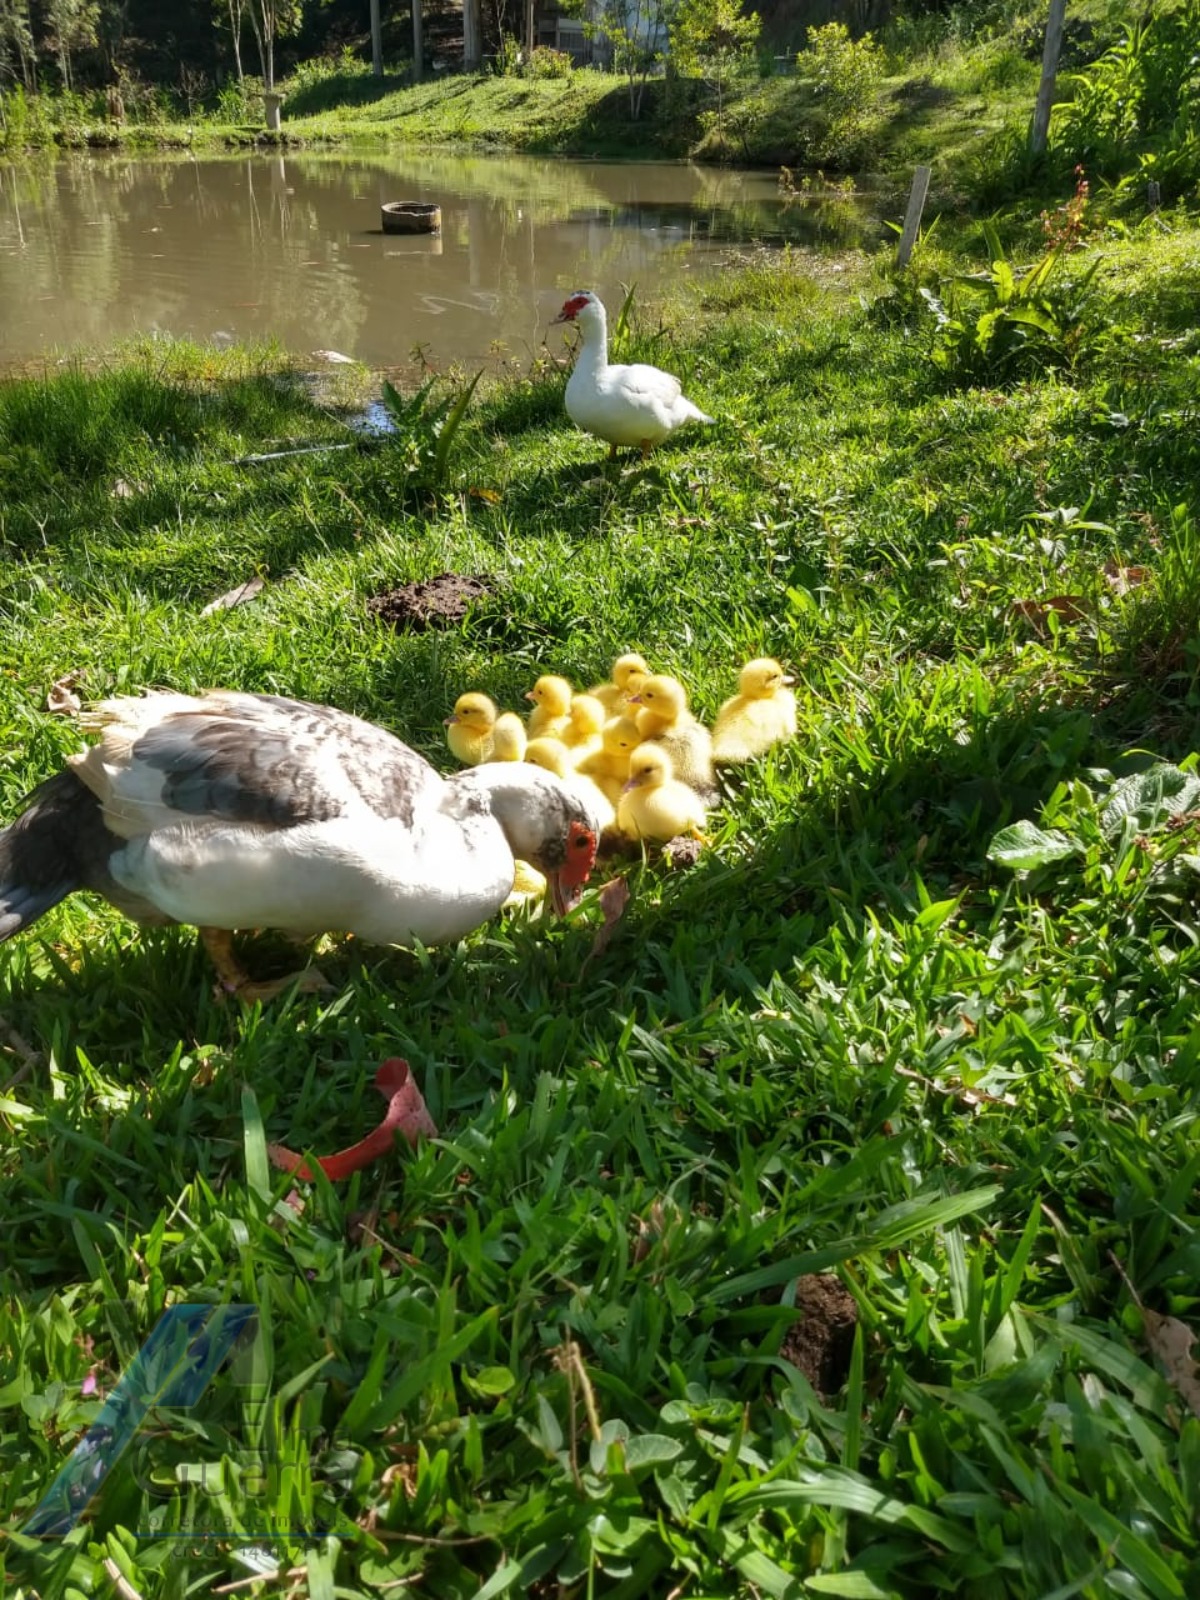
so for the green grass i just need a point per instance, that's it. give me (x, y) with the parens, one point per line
(958, 92)
(554, 1359)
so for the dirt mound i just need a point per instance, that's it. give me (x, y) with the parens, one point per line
(433, 603)
(821, 1339)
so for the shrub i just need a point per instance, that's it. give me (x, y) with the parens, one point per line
(1004, 324)
(846, 74)
(549, 63)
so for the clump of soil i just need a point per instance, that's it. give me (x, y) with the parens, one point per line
(683, 851)
(433, 603)
(821, 1339)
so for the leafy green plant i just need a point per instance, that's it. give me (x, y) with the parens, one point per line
(1138, 106)
(1006, 323)
(423, 431)
(546, 62)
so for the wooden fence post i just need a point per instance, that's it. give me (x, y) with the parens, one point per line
(418, 43)
(1045, 97)
(912, 217)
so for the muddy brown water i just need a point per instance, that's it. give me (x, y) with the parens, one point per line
(95, 250)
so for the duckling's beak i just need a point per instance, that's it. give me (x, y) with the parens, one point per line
(787, 680)
(631, 784)
(531, 696)
(633, 699)
(449, 722)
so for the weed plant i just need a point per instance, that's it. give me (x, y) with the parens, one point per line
(554, 1350)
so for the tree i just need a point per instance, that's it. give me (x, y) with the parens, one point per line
(17, 53)
(72, 26)
(714, 38)
(637, 32)
(235, 10)
(271, 20)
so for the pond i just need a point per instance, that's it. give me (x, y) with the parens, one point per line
(94, 250)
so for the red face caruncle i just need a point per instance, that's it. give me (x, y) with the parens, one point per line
(568, 881)
(573, 307)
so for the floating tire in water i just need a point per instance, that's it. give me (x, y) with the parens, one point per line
(406, 216)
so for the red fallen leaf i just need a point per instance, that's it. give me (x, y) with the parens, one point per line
(406, 1114)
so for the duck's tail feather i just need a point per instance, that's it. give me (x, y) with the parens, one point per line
(45, 853)
(693, 413)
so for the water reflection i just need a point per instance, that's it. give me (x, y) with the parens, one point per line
(96, 250)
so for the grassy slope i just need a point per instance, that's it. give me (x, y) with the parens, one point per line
(946, 98)
(842, 1041)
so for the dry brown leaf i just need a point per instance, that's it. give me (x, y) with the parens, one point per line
(1171, 1341)
(613, 898)
(62, 701)
(1068, 607)
(234, 597)
(1122, 579)
(122, 490)
(491, 496)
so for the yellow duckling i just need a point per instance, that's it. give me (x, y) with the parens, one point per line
(551, 707)
(469, 730)
(554, 756)
(609, 766)
(614, 696)
(654, 804)
(528, 884)
(760, 715)
(509, 739)
(582, 733)
(663, 716)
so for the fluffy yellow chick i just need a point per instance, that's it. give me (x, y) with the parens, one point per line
(609, 766)
(469, 730)
(551, 707)
(654, 804)
(528, 884)
(554, 756)
(508, 739)
(760, 715)
(663, 715)
(613, 696)
(582, 733)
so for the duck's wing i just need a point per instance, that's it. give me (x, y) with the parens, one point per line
(254, 759)
(651, 385)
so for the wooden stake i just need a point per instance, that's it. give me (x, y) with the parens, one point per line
(472, 36)
(912, 217)
(418, 43)
(1153, 195)
(1045, 97)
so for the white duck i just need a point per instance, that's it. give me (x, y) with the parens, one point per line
(626, 405)
(230, 810)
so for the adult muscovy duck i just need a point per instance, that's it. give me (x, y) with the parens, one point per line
(625, 405)
(229, 810)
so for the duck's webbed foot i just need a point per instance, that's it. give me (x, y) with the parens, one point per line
(235, 980)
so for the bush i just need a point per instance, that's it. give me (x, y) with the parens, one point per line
(1006, 324)
(548, 63)
(846, 74)
(1138, 107)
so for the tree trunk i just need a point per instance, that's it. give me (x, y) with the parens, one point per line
(235, 28)
(472, 36)
(376, 41)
